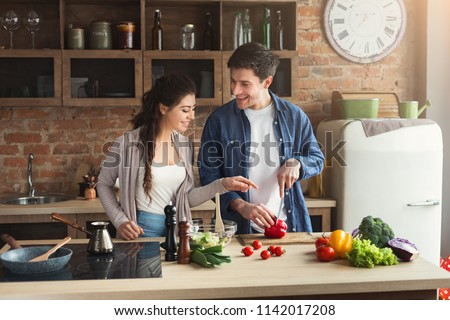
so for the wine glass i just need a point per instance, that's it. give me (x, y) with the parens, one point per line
(31, 22)
(11, 22)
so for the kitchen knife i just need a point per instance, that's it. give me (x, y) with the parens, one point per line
(279, 209)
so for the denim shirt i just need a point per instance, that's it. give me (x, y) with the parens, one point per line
(224, 152)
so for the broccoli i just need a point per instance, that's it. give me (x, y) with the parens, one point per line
(375, 230)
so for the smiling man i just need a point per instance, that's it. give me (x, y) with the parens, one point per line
(264, 138)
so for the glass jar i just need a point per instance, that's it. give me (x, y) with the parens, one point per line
(187, 37)
(100, 36)
(125, 35)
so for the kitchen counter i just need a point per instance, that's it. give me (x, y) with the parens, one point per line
(297, 274)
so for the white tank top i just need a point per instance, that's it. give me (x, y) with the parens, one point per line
(165, 183)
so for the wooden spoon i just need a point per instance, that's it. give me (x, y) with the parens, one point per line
(45, 256)
(13, 243)
(219, 227)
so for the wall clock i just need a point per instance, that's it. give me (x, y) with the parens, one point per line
(364, 31)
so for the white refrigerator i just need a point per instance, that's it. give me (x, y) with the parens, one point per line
(387, 168)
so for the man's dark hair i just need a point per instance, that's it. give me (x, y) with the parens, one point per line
(257, 57)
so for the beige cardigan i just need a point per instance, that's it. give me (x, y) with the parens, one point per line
(122, 162)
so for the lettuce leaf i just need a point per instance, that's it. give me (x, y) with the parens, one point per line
(364, 254)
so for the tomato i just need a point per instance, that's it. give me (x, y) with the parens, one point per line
(279, 251)
(247, 251)
(271, 249)
(322, 241)
(265, 254)
(257, 244)
(325, 253)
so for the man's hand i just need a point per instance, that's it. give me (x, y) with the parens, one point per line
(258, 213)
(129, 230)
(288, 174)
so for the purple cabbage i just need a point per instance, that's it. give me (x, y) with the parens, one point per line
(403, 249)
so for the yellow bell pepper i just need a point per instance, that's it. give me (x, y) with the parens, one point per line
(341, 242)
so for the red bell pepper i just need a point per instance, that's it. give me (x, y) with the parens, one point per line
(277, 231)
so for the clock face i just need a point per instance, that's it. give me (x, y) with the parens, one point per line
(364, 30)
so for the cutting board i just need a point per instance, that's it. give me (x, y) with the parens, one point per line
(289, 238)
(388, 102)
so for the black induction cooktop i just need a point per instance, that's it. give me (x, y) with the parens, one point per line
(128, 260)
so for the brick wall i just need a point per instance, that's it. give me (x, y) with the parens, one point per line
(63, 139)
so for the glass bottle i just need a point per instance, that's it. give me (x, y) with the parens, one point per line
(157, 32)
(247, 27)
(208, 39)
(238, 32)
(267, 29)
(278, 33)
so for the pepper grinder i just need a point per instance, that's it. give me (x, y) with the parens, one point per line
(171, 241)
(184, 250)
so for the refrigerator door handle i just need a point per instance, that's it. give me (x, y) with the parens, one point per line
(428, 203)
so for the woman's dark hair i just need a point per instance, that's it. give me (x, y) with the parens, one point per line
(169, 91)
(255, 56)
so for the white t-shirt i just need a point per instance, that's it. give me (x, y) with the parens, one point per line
(264, 161)
(165, 183)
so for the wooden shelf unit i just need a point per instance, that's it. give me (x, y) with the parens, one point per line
(57, 15)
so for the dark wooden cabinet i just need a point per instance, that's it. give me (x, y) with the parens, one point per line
(52, 75)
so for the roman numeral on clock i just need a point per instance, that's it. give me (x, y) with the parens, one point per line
(351, 46)
(391, 18)
(339, 5)
(343, 34)
(389, 32)
(380, 43)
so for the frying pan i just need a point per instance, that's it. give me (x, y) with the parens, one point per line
(17, 260)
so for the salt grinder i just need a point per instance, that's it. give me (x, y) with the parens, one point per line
(171, 241)
(184, 250)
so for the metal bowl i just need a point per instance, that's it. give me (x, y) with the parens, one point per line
(17, 260)
(42, 199)
(203, 231)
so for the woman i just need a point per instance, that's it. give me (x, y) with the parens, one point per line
(153, 163)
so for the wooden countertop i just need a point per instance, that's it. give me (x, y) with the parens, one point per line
(296, 274)
(80, 205)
